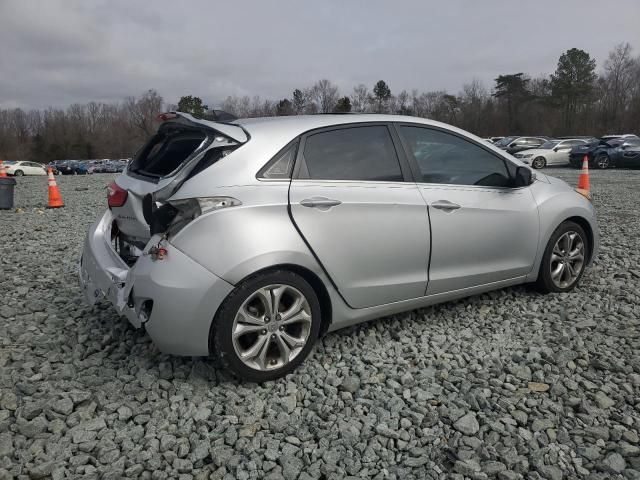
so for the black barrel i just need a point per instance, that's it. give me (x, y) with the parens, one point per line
(6, 192)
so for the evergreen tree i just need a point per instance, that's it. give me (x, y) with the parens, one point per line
(192, 105)
(284, 107)
(343, 105)
(573, 82)
(382, 94)
(513, 88)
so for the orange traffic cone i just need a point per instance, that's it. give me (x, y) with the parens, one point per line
(583, 180)
(55, 199)
(3, 172)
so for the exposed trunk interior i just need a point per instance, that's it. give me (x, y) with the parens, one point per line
(166, 151)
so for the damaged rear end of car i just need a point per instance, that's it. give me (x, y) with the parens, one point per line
(127, 258)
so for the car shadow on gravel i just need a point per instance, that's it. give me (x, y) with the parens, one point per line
(121, 343)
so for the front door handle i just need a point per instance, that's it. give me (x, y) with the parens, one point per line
(323, 203)
(445, 205)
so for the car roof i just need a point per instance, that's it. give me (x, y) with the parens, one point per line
(295, 125)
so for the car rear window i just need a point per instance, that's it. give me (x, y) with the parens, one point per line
(166, 151)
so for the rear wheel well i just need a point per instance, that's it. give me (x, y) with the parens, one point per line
(586, 226)
(318, 286)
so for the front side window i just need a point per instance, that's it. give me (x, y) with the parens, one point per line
(355, 153)
(549, 144)
(448, 159)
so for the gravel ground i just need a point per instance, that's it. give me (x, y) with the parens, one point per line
(507, 385)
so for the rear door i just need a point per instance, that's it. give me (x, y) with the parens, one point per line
(482, 230)
(33, 168)
(354, 203)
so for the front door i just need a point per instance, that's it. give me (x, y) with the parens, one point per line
(482, 230)
(367, 226)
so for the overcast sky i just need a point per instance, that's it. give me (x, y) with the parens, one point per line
(57, 52)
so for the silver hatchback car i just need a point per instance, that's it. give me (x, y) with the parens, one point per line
(250, 239)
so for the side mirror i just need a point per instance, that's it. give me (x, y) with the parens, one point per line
(555, 149)
(523, 177)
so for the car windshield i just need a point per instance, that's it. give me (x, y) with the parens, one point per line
(614, 142)
(505, 141)
(548, 145)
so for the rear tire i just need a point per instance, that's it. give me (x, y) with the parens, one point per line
(602, 161)
(564, 259)
(267, 326)
(539, 162)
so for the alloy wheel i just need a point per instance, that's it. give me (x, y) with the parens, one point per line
(602, 161)
(271, 327)
(567, 259)
(539, 162)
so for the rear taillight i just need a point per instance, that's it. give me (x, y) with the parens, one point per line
(116, 196)
(163, 117)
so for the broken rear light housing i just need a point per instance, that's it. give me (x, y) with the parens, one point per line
(116, 195)
(174, 215)
(163, 117)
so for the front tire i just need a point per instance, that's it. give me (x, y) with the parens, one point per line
(602, 161)
(564, 259)
(18, 173)
(539, 162)
(267, 326)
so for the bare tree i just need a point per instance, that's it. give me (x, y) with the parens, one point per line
(325, 95)
(360, 99)
(617, 84)
(143, 111)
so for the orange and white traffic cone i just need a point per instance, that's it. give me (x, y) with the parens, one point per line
(3, 171)
(583, 180)
(55, 199)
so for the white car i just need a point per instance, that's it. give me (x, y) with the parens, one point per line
(551, 152)
(18, 169)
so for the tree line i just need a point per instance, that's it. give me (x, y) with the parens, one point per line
(573, 100)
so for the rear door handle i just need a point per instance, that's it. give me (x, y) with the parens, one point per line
(445, 205)
(322, 203)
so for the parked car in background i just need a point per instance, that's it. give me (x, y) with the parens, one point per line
(517, 144)
(249, 240)
(551, 152)
(493, 139)
(54, 169)
(631, 157)
(20, 168)
(627, 154)
(54, 166)
(72, 167)
(612, 137)
(603, 153)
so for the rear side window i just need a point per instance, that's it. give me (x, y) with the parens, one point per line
(281, 165)
(356, 153)
(166, 151)
(449, 159)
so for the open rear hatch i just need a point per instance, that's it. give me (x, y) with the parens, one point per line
(182, 147)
